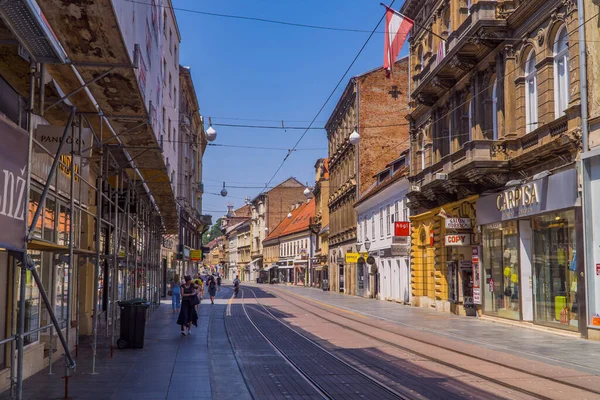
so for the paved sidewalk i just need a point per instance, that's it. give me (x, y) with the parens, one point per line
(569, 352)
(170, 366)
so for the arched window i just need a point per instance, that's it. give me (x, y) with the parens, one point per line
(561, 72)
(421, 58)
(495, 110)
(531, 95)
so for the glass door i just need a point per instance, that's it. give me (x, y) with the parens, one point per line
(555, 278)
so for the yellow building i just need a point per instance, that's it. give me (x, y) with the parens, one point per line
(441, 255)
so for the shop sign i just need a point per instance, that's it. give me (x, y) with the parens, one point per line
(405, 240)
(196, 255)
(402, 228)
(476, 276)
(352, 258)
(597, 269)
(464, 264)
(458, 223)
(555, 192)
(50, 137)
(458, 240)
(400, 250)
(13, 174)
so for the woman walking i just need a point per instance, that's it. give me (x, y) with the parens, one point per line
(212, 288)
(188, 314)
(175, 294)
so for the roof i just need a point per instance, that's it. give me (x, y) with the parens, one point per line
(289, 182)
(300, 221)
(373, 190)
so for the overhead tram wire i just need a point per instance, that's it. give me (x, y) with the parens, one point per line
(330, 95)
(292, 24)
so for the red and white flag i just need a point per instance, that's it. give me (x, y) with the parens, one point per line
(441, 53)
(397, 27)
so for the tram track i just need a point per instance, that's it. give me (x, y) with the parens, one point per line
(370, 386)
(366, 333)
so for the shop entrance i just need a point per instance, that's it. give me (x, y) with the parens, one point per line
(341, 275)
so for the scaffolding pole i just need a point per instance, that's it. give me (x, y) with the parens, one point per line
(99, 184)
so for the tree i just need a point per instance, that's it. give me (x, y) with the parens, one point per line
(213, 233)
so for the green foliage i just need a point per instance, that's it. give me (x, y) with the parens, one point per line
(213, 232)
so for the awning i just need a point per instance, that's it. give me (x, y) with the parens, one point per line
(300, 261)
(269, 268)
(285, 266)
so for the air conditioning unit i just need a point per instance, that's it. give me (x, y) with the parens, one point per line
(441, 176)
(415, 188)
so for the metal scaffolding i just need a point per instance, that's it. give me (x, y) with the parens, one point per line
(127, 239)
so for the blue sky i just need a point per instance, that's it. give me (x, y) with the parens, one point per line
(255, 70)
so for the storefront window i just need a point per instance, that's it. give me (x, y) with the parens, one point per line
(501, 270)
(61, 292)
(554, 264)
(50, 220)
(32, 299)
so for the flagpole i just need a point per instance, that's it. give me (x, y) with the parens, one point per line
(413, 21)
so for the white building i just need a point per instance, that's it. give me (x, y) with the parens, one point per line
(388, 277)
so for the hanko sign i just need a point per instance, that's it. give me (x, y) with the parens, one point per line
(402, 228)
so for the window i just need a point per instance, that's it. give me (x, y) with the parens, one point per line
(174, 138)
(387, 220)
(450, 133)
(365, 229)
(171, 41)
(164, 115)
(175, 54)
(165, 23)
(381, 222)
(169, 131)
(531, 101)
(175, 98)
(32, 298)
(495, 110)
(470, 120)
(164, 71)
(422, 152)
(373, 226)
(396, 211)
(359, 231)
(561, 73)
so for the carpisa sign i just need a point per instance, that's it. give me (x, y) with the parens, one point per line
(13, 176)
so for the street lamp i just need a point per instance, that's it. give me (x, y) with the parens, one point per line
(211, 133)
(224, 191)
(367, 244)
(354, 138)
(307, 192)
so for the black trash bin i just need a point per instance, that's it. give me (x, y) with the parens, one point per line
(133, 324)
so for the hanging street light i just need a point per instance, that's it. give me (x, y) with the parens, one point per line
(307, 192)
(224, 191)
(354, 138)
(211, 133)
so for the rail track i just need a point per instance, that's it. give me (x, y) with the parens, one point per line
(395, 344)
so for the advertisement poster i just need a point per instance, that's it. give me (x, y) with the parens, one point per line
(476, 276)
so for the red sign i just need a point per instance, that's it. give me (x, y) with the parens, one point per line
(402, 228)
(431, 238)
(597, 269)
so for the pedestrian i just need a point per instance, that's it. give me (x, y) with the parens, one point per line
(218, 282)
(199, 285)
(211, 283)
(175, 294)
(236, 286)
(188, 314)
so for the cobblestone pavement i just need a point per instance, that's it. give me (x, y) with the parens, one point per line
(280, 342)
(170, 366)
(534, 344)
(409, 358)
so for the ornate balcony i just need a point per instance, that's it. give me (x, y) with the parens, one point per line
(483, 165)
(474, 39)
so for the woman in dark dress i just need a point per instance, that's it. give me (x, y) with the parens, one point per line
(188, 314)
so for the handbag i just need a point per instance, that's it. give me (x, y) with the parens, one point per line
(194, 300)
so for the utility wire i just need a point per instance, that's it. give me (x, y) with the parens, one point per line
(330, 96)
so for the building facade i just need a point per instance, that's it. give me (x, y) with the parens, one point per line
(496, 110)
(320, 224)
(188, 140)
(373, 106)
(268, 209)
(378, 211)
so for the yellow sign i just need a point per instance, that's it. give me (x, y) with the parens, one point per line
(65, 167)
(196, 255)
(352, 258)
